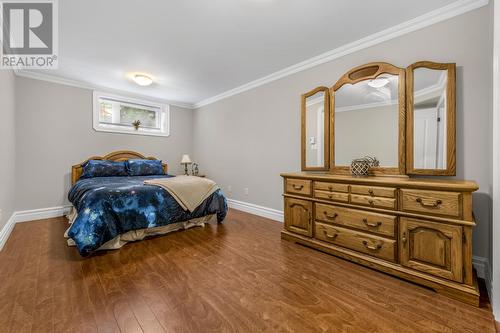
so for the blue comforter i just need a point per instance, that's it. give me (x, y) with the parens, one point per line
(110, 206)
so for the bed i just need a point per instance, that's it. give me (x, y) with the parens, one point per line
(109, 211)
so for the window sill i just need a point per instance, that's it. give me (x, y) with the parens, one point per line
(128, 132)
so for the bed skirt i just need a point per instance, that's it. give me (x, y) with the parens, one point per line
(140, 234)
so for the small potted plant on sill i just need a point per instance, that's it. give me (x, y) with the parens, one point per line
(136, 124)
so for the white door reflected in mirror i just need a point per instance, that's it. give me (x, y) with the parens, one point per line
(315, 130)
(429, 125)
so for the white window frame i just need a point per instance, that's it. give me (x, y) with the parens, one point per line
(111, 128)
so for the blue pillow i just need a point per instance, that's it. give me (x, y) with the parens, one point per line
(144, 167)
(102, 168)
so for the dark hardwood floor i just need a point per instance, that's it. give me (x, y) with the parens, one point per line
(238, 276)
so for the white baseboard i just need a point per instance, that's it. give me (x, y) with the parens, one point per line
(6, 230)
(46, 213)
(30, 215)
(40, 214)
(483, 269)
(266, 212)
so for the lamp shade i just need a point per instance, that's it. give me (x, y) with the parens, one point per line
(186, 159)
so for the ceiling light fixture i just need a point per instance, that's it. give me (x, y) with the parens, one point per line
(378, 83)
(142, 80)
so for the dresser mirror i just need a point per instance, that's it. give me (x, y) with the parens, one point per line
(431, 118)
(315, 116)
(368, 106)
(403, 118)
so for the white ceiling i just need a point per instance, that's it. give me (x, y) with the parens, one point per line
(198, 49)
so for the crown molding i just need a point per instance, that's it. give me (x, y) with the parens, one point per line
(366, 106)
(84, 85)
(441, 14)
(316, 100)
(438, 15)
(418, 95)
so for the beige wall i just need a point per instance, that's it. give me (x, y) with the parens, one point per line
(370, 132)
(55, 131)
(248, 139)
(7, 145)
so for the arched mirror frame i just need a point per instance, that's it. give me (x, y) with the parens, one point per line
(367, 72)
(326, 124)
(450, 118)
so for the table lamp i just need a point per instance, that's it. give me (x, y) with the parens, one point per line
(186, 160)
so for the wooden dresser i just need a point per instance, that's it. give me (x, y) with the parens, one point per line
(416, 229)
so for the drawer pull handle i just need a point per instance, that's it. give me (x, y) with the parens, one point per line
(371, 202)
(297, 187)
(403, 237)
(330, 236)
(370, 191)
(432, 205)
(374, 225)
(372, 247)
(330, 188)
(330, 216)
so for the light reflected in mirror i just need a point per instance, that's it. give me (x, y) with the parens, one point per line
(315, 130)
(367, 121)
(429, 118)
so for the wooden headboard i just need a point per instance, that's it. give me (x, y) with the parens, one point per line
(121, 155)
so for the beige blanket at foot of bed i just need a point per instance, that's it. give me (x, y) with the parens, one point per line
(188, 191)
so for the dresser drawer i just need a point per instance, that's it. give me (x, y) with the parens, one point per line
(333, 196)
(375, 191)
(376, 202)
(331, 187)
(432, 202)
(355, 240)
(298, 186)
(377, 223)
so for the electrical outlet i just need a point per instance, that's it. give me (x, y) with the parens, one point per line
(246, 190)
(229, 189)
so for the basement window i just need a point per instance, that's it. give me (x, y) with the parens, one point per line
(119, 114)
